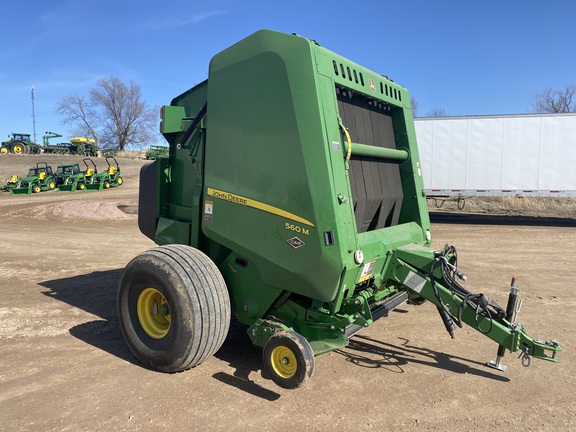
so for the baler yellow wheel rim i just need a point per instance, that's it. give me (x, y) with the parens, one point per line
(284, 362)
(153, 313)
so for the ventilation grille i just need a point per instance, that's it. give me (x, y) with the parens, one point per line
(352, 75)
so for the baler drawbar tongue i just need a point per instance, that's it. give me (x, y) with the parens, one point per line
(457, 305)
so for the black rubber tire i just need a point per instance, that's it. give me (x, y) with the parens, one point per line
(299, 350)
(198, 302)
(19, 148)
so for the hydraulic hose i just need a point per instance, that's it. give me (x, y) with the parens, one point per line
(479, 302)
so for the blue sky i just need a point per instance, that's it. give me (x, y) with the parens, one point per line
(467, 57)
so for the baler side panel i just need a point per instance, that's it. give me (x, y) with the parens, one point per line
(267, 171)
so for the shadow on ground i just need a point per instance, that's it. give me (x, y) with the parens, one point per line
(95, 293)
(370, 353)
(494, 219)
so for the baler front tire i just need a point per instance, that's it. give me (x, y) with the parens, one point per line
(174, 307)
(288, 359)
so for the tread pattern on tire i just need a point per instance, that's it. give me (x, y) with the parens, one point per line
(209, 300)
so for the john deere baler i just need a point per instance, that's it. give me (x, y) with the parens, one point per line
(292, 197)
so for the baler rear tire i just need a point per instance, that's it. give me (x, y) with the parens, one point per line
(197, 301)
(288, 359)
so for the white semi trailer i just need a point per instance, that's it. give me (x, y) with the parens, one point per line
(505, 155)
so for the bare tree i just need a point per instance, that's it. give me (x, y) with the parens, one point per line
(77, 113)
(555, 101)
(415, 106)
(437, 112)
(113, 114)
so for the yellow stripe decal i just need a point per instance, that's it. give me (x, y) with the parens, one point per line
(237, 199)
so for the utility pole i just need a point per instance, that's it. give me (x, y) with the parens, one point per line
(33, 116)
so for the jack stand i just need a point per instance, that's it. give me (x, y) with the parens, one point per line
(510, 312)
(498, 363)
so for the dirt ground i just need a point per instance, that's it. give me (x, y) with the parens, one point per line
(64, 365)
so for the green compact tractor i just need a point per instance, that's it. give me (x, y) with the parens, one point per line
(19, 143)
(39, 179)
(10, 183)
(69, 177)
(107, 179)
(292, 198)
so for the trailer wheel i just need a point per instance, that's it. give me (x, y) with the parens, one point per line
(288, 359)
(174, 307)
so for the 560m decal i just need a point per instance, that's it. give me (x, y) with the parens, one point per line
(237, 199)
